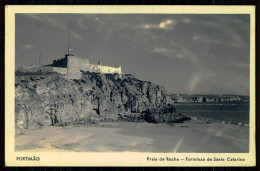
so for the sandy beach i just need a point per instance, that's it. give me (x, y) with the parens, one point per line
(193, 136)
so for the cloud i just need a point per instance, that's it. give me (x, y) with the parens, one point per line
(165, 25)
(186, 20)
(238, 64)
(46, 19)
(167, 52)
(149, 26)
(77, 36)
(211, 39)
(170, 48)
(159, 50)
(228, 31)
(27, 46)
(196, 38)
(33, 16)
(179, 55)
(80, 24)
(175, 52)
(55, 22)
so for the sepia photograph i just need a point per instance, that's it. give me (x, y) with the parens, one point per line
(145, 83)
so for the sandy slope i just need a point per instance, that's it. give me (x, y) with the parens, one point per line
(192, 136)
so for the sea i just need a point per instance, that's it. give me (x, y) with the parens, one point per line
(227, 112)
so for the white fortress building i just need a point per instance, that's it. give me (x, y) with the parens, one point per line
(71, 66)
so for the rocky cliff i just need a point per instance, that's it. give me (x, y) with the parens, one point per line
(50, 99)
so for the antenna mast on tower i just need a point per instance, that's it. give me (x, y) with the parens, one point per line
(69, 41)
(40, 58)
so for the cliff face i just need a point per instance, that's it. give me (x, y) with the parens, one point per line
(49, 99)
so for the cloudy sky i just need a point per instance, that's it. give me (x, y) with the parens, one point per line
(185, 53)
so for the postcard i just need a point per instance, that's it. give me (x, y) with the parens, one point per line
(130, 85)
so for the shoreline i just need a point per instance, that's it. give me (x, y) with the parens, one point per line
(194, 136)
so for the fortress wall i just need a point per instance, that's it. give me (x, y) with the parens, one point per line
(35, 69)
(83, 64)
(54, 69)
(73, 68)
(119, 70)
(46, 69)
(76, 64)
(60, 70)
(107, 69)
(60, 62)
(28, 68)
(93, 68)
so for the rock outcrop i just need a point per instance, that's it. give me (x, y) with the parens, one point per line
(50, 99)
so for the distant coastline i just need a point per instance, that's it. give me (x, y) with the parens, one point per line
(207, 98)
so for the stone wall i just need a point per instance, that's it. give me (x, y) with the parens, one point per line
(60, 70)
(31, 68)
(42, 69)
(46, 69)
